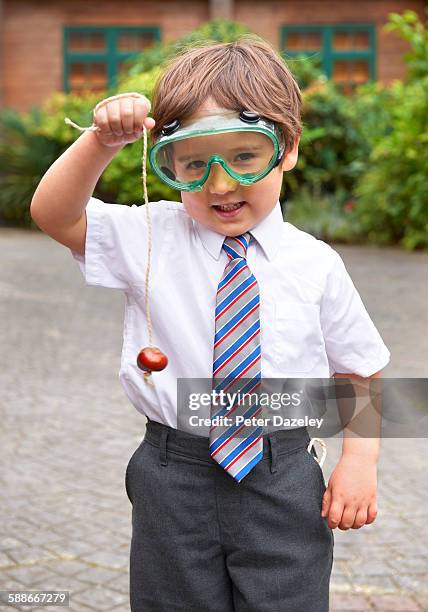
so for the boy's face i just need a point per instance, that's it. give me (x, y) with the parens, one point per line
(256, 201)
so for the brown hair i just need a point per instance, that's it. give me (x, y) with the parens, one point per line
(246, 74)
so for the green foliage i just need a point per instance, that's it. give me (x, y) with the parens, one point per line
(121, 180)
(392, 194)
(60, 105)
(142, 83)
(364, 160)
(369, 112)
(305, 69)
(332, 149)
(25, 155)
(411, 28)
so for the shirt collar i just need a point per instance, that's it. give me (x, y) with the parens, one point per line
(267, 233)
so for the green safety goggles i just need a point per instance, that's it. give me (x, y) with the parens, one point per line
(244, 144)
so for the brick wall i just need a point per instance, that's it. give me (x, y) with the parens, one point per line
(32, 30)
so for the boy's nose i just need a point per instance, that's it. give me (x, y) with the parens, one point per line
(219, 181)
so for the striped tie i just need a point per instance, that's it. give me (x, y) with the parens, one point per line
(237, 355)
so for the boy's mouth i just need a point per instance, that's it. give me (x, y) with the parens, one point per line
(228, 208)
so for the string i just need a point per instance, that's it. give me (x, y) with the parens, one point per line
(147, 375)
(94, 128)
(324, 449)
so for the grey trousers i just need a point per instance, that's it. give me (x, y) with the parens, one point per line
(201, 542)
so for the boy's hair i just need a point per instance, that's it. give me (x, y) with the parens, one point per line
(246, 74)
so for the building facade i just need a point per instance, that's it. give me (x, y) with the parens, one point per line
(72, 45)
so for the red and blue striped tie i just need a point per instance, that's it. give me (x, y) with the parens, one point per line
(237, 362)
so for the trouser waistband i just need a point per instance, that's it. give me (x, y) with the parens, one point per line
(197, 447)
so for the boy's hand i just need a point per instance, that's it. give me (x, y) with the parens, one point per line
(349, 501)
(120, 119)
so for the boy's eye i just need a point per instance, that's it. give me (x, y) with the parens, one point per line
(245, 156)
(195, 165)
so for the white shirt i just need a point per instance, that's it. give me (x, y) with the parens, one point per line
(313, 322)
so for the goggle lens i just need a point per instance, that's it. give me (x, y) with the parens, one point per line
(245, 153)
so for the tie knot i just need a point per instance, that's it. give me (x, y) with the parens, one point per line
(236, 246)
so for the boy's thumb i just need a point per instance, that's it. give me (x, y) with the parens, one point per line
(149, 123)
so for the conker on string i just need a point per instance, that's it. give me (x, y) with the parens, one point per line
(151, 359)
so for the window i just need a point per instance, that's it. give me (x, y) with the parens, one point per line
(93, 56)
(347, 51)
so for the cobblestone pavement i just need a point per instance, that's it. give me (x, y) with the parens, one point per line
(68, 432)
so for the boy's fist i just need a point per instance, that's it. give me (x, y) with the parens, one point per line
(120, 119)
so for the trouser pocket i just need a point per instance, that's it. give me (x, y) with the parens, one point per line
(128, 470)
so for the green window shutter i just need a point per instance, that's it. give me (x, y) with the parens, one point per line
(347, 51)
(93, 55)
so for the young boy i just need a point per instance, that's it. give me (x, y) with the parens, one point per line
(222, 522)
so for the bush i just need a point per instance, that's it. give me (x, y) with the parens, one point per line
(392, 203)
(392, 193)
(29, 144)
(364, 160)
(332, 150)
(25, 155)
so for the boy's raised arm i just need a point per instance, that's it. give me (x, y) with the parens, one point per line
(59, 202)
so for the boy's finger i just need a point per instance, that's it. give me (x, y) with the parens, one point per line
(146, 103)
(371, 513)
(113, 113)
(101, 120)
(360, 518)
(326, 501)
(127, 115)
(335, 514)
(140, 113)
(348, 518)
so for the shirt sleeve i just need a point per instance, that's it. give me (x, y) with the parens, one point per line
(353, 344)
(115, 245)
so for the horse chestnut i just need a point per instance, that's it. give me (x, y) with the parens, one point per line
(151, 359)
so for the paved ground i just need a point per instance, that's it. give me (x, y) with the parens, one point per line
(68, 431)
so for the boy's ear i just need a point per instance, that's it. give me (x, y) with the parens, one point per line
(290, 159)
